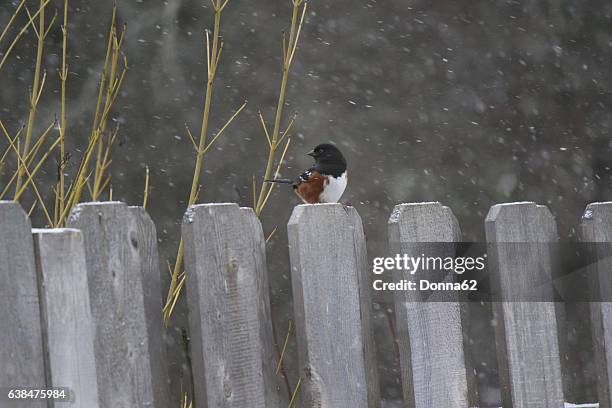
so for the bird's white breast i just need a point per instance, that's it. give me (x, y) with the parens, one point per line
(333, 189)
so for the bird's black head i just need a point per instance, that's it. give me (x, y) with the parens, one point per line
(328, 159)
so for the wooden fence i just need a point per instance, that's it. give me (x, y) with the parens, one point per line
(81, 308)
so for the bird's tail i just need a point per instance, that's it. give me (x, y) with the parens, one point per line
(280, 181)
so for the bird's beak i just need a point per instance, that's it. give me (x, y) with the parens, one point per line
(311, 153)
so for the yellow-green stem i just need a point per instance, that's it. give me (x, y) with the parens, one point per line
(35, 91)
(63, 79)
(212, 57)
(279, 108)
(97, 128)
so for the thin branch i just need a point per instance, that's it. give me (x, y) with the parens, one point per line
(11, 141)
(12, 19)
(290, 47)
(288, 129)
(105, 184)
(299, 31)
(280, 163)
(146, 189)
(38, 166)
(23, 30)
(254, 192)
(297, 388)
(218, 56)
(40, 88)
(229, 121)
(38, 144)
(195, 145)
(60, 193)
(50, 26)
(36, 91)
(27, 159)
(32, 208)
(212, 58)
(268, 239)
(280, 360)
(208, 67)
(224, 4)
(265, 128)
(32, 18)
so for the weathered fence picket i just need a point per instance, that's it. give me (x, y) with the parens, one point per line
(519, 237)
(436, 369)
(146, 325)
(66, 315)
(229, 309)
(21, 352)
(120, 249)
(596, 228)
(332, 304)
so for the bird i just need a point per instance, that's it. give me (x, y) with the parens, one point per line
(324, 182)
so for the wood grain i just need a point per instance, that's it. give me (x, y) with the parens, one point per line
(121, 255)
(596, 228)
(435, 363)
(21, 351)
(518, 237)
(66, 314)
(229, 309)
(332, 303)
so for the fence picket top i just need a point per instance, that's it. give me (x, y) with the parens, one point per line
(520, 222)
(66, 318)
(21, 353)
(58, 231)
(87, 206)
(229, 308)
(596, 221)
(424, 222)
(209, 208)
(331, 289)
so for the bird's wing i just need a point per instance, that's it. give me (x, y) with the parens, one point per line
(310, 185)
(304, 177)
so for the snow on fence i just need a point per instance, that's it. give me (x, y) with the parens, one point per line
(81, 308)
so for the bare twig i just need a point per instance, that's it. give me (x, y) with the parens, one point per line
(229, 121)
(146, 189)
(295, 393)
(280, 360)
(36, 168)
(278, 168)
(213, 56)
(36, 91)
(193, 142)
(21, 32)
(12, 19)
(276, 138)
(271, 234)
(61, 187)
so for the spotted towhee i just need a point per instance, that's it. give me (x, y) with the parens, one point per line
(325, 181)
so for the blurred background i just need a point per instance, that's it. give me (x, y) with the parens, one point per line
(469, 103)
